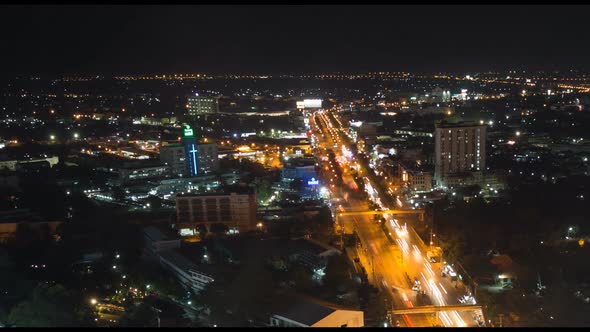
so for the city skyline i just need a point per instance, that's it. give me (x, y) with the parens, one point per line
(294, 166)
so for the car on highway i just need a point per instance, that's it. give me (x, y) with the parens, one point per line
(416, 287)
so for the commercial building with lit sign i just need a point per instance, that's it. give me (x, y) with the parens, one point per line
(191, 152)
(200, 158)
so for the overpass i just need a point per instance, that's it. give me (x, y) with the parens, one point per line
(371, 212)
(432, 308)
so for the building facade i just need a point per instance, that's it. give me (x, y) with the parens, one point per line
(201, 105)
(12, 165)
(459, 148)
(11, 220)
(237, 211)
(200, 158)
(208, 158)
(307, 312)
(186, 271)
(155, 240)
(132, 174)
(416, 179)
(173, 155)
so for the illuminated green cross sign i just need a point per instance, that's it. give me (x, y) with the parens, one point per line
(188, 131)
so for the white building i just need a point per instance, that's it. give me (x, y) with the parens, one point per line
(299, 312)
(199, 105)
(237, 211)
(459, 148)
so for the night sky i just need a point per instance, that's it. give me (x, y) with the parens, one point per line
(271, 39)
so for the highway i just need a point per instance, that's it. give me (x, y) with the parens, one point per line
(393, 266)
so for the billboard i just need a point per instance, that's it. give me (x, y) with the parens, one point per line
(300, 105)
(312, 103)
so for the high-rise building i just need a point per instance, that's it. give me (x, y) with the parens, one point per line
(200, 158)
(201, 105)
(236, 210)
(208, 158)
(173, 155)
(459, 148)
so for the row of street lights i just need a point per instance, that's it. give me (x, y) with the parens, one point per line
(52, 137)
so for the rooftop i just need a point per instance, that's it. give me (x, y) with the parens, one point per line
(304, 312)
(303, 309)
(179, 260)
(19, 215)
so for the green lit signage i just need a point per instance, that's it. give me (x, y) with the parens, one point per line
(188, 131)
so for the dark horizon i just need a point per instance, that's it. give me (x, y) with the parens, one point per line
(111, 40)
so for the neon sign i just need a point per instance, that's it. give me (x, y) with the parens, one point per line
(188, 131)
(194, 161)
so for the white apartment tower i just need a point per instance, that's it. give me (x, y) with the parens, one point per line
(459, 148)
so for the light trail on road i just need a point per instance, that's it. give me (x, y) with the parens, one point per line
(419, 265)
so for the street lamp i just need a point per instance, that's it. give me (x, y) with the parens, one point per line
(93, 301)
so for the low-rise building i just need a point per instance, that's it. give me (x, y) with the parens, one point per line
(308, 312)
(311, 254)
(236, 210)
(188, 273)
(416, 178)
(303, 168)
(129, 174)
(14, 165)
(494, 180)
(11, 220)
(157, 240)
